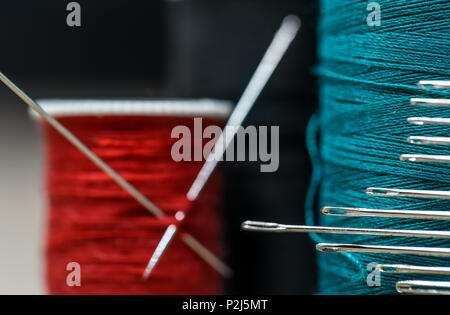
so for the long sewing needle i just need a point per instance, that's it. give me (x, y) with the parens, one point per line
(434, 84)
(423, 287)
(406, 214)
(380, 249)
(413, 193)
(257, 226)
(409, 269)
(144, 201)
(280, 43)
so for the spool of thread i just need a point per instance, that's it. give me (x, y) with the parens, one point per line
(94, 223)
(367, 77)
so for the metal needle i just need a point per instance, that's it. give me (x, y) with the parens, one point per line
(257, 226)
(379, 249)
(408, 269)
(434, 84)
(425, 158)
(423, 287)
(428, 140)
(391, 192)
(420, 121)
(430, 102)
(280, 43)
(406, 214)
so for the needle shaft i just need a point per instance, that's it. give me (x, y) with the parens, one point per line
(267, 66)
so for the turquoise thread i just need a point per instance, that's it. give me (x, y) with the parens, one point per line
(367, 76)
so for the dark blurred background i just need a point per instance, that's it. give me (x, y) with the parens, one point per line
(155, 48)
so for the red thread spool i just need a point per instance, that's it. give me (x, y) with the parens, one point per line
(95, 223)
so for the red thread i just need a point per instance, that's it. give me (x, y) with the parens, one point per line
(95, 223)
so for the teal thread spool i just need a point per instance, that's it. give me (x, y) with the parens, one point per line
(367, 77)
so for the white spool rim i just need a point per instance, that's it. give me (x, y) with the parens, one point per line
(126, 107)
